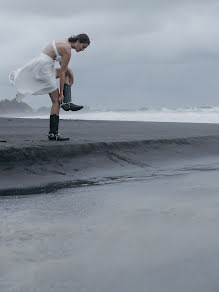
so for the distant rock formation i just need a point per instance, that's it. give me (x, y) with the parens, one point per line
(14, 107)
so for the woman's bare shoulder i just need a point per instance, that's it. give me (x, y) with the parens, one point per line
(63, 47)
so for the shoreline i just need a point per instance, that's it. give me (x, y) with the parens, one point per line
(98, 152)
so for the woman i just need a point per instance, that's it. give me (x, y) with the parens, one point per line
(39, 76)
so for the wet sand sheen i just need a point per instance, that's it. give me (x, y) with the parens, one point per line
(155, 235)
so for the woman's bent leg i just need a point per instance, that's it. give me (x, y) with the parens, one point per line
(67, 102)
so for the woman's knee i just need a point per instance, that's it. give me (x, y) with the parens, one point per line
(68, 80)
(55, 102)
(54, 96)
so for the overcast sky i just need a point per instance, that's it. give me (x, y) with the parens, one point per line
(159, 53)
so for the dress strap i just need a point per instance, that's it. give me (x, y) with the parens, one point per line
(54, 48)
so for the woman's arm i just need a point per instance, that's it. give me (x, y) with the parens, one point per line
(69, 78)
(65, 60)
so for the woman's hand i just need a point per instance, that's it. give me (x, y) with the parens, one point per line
(61, 98)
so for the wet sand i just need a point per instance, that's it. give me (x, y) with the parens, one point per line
(158, 234)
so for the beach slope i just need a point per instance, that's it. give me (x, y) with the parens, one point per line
(98, 152)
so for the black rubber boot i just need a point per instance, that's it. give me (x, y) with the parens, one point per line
(54, 126)
(67, 104)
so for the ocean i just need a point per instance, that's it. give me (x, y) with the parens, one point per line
(181, 115)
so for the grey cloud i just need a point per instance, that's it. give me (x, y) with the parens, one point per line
(66, 8)
(142, 53)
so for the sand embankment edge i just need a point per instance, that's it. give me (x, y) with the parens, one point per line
(43, 169)
(58, 150)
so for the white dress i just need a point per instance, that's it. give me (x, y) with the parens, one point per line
(36, 77)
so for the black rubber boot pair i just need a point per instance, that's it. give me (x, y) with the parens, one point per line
(54, 126)
(67, 104)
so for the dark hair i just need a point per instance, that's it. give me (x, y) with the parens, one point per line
(82, 38)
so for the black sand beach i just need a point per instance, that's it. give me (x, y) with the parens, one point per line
(122, 206)
(99, 151)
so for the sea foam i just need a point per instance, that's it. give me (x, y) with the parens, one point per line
(180, 115)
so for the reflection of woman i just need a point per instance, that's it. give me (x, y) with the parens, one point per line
(39, 76)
